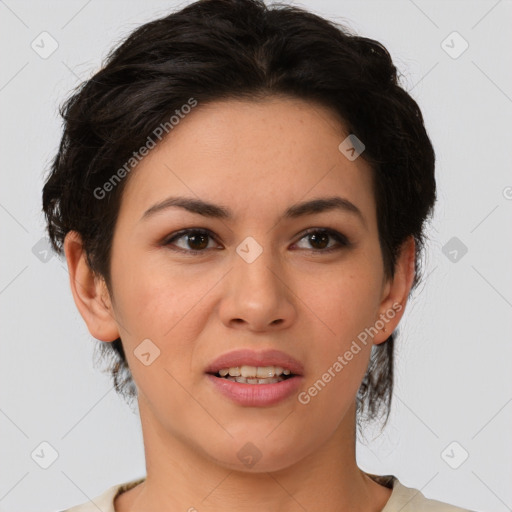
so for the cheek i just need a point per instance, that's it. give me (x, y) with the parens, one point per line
(168, 307)
(347, 302)
(151, 299)
(345, 310)
(151, 308)
(341, 309)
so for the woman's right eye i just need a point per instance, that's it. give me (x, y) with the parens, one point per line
(194, 240)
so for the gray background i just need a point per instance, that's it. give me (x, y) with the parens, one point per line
(453, 380)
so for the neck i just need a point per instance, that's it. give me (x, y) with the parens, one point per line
(181, 478)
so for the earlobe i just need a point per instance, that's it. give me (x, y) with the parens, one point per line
(396, 292)
(89, 291)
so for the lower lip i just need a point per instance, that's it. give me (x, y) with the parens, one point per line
(256, 395)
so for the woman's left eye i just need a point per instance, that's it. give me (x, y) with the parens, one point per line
(320, 238)
(197, 240)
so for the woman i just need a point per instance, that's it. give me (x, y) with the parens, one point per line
(240, 194)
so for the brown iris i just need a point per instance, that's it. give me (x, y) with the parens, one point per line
(321, 237)
(198, 241)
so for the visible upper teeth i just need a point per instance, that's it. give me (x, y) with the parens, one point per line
(260, 372)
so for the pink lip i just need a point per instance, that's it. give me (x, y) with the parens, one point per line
(256, 395)
(247, 357)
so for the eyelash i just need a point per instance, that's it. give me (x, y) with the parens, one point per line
(342, 240)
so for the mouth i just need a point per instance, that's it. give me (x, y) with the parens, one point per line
(254, 374)
(255, 391)
(256, 379)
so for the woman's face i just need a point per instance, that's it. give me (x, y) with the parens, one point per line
(259, 280)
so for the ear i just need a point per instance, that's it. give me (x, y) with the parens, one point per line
(395, 292)
(89, 291)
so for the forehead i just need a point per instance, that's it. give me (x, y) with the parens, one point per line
(253, 155)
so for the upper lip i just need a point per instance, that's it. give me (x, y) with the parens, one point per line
(245, 357)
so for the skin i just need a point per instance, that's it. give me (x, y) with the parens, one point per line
(195, 307)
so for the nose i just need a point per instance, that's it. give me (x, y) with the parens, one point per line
(257, 295)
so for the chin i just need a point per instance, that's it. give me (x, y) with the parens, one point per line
(258, 465)
(259, 455)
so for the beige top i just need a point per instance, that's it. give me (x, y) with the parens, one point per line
(402, 499)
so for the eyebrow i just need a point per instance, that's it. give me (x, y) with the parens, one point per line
(207, 209)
